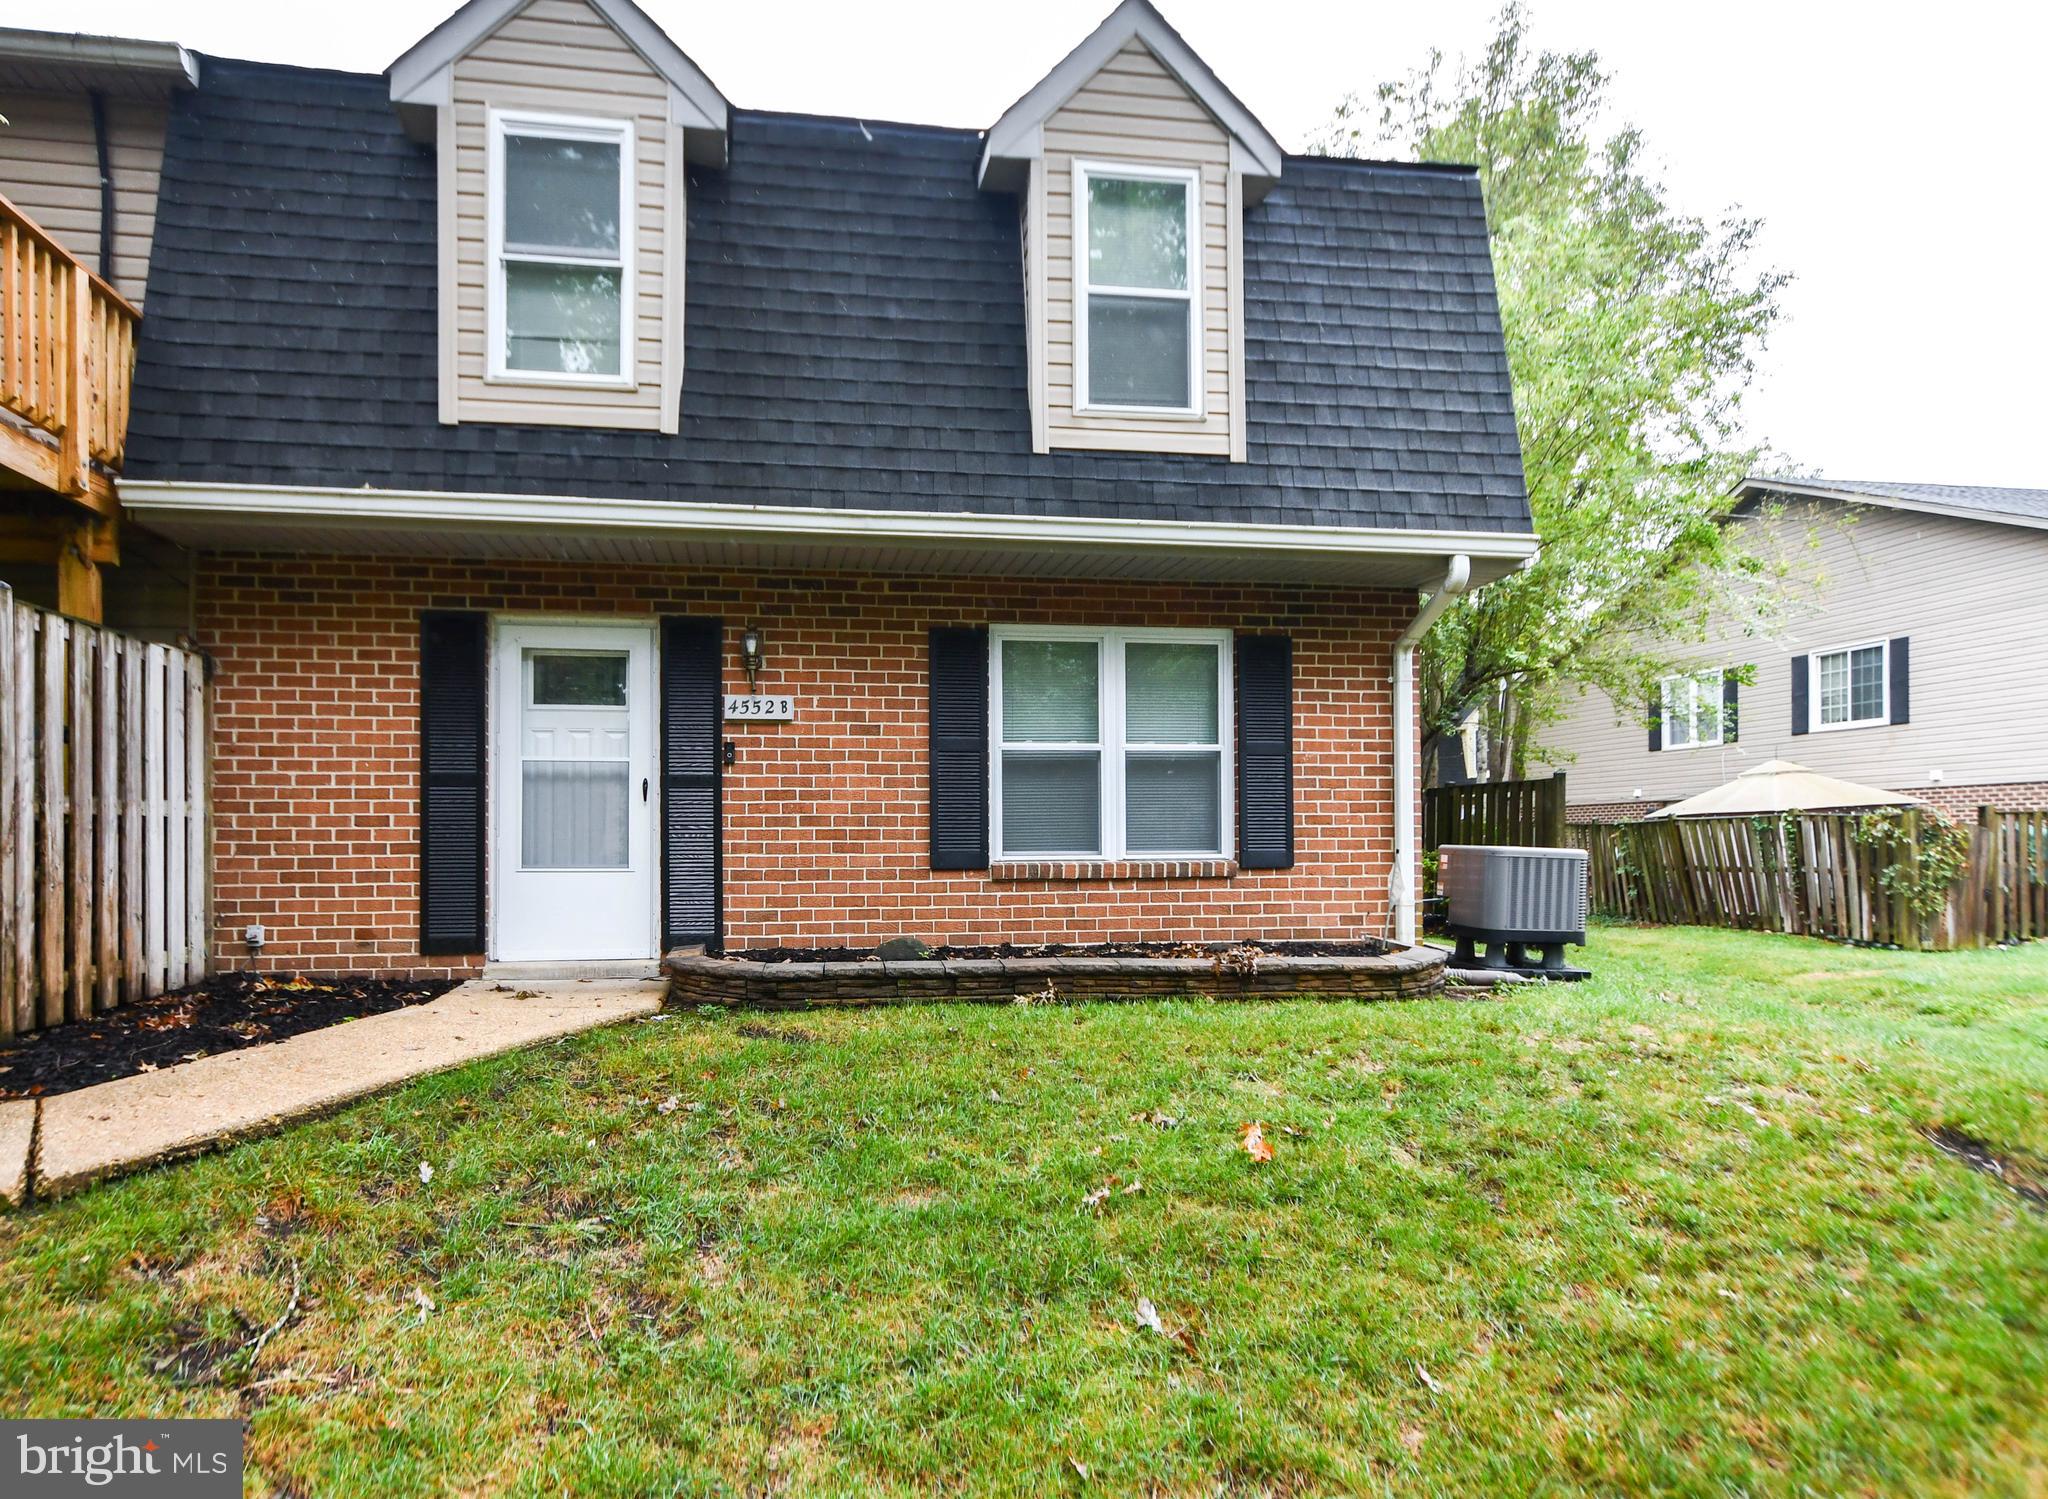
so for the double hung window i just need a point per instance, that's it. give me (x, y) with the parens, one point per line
(1110, 743)
(560, 239)
(1137, 283)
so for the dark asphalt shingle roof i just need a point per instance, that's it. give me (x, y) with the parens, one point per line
(2029, 504)
(854, 332)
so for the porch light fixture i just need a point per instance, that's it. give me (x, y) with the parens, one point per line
(750, 655)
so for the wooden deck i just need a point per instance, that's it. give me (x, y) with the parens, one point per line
(67, 359)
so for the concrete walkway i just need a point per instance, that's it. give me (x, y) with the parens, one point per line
(114, 1128)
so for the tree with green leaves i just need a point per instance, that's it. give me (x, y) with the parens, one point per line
(1632, 332)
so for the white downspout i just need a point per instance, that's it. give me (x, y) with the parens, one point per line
(1401, 881)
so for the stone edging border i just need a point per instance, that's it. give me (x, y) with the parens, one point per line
(695, 979)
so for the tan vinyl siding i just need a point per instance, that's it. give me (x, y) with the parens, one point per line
(1969, 596)
(50, 170)
(1134, 110)
(561, 57)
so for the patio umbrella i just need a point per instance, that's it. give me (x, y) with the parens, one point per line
(1781, 786)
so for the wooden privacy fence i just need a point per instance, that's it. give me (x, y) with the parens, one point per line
(1502, 814)
(1811, 873)
(103, 809)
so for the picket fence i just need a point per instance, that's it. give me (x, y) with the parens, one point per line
(103, 818)
(1809, 873)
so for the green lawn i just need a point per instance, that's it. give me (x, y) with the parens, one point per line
(1675, 1229)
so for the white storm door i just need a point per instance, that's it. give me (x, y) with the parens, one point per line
(574, 806)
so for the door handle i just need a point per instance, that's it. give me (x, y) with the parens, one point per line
(643, 788)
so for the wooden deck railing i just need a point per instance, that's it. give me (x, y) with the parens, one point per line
(67, 358)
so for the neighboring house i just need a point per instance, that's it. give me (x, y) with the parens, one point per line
(620, 520)
(1910, 652)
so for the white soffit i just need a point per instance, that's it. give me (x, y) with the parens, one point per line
(421, 78)
(1014, 141)
(370, 522)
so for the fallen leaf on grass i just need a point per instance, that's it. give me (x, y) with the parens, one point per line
(1435, 1386)
(1256, 1145)
(1155, 1117)
(423, 1301)
(1094, 1200)
(1148, 1316)
(1080, 1468)
(1137, 1185)
(426, 1173)
(668, 1105)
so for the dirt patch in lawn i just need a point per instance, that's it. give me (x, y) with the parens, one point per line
(228, 1012)
(2024, 1175)
(1364, 947)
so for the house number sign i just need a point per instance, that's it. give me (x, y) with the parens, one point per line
(754, 708)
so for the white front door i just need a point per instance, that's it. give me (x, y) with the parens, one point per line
(574, 809)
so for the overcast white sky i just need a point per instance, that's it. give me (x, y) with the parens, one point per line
(1894, 150)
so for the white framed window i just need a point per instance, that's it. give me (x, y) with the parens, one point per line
(560, 239)
(1137, 289)
(1691, 709)
(1109, 744)
(1851, 686)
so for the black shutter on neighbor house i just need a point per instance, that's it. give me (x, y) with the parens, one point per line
(1656, 717)
(1265, 752)
(1902, 679)
(1800, 665)
(454, 693)
(692, 719)
(958, 726)
(1731, 701)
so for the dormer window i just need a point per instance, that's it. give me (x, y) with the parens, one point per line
(1140, 340)
(560, 280)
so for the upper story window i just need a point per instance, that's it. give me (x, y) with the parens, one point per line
(1852, 687)
(1139, 333)
(1110, 743)
(1691, 710)
(561, 282)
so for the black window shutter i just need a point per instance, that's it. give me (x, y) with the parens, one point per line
(1656, 717)
(1799, 715)
(692, 719)
(1730, 707)
(1265, 752)
(1902, 679)
(958, 726)
(454, 693)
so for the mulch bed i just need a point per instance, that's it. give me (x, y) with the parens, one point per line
(1366, 947)
(227, 1012)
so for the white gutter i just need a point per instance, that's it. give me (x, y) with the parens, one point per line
(286, 506)
(1401, 882)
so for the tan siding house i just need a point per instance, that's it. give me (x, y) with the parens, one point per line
(49, 167)
(1968, 592)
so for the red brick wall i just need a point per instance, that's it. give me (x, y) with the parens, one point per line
(1585, 812)
(1962, 802)
(316, 753)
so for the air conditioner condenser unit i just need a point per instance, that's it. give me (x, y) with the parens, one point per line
(1513, 899)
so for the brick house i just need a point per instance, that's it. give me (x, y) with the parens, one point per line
(619, 520)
